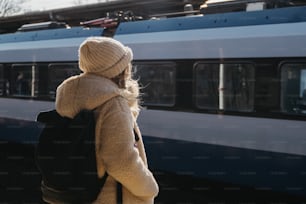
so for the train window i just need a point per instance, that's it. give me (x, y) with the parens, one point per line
(24, 80)
(58, 73)
(158, 82)
(293, 90)
(2, 81)
(228, 86)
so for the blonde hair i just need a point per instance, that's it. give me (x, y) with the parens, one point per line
(129, 88)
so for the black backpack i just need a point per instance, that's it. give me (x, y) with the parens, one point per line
(66, 158)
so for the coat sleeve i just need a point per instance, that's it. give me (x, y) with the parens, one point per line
(118, 152)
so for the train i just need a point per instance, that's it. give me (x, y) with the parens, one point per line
(223, 94)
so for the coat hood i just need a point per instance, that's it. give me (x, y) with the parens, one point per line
(85, 91)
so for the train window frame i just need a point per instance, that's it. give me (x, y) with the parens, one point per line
(51, 91)
(32, 91)
(221, 106)
(143, 87)
(293, 103)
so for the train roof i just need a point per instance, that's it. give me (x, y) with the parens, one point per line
(262, 17)
(76, 14)
(52, 34)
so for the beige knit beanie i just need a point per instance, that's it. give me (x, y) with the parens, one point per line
(104, 56)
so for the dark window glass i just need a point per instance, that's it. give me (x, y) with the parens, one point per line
(24, 80)
(293, 90)
(227, 86)
(158, 82)
(2, 81)
(58, 73)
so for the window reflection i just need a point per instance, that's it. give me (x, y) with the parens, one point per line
(158, 83)
(225, 86)
(58, 73)
(2, 81)
(24, 80)
(293, 88)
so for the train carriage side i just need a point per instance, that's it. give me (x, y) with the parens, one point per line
(224, 95)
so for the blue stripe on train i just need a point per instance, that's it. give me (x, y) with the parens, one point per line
(251, 168)
(19, 131)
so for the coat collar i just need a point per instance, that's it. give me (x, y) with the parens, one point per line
(84, 91)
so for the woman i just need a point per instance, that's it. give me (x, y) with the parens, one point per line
(107, 87)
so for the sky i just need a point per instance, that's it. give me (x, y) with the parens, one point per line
(40, 5)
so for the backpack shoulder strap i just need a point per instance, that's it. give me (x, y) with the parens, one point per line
(51, 117)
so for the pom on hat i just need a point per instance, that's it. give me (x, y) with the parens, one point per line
(104, 56)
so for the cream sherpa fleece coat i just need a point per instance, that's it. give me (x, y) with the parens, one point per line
(117, 151)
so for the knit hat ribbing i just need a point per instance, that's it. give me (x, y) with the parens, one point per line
(104, 56)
